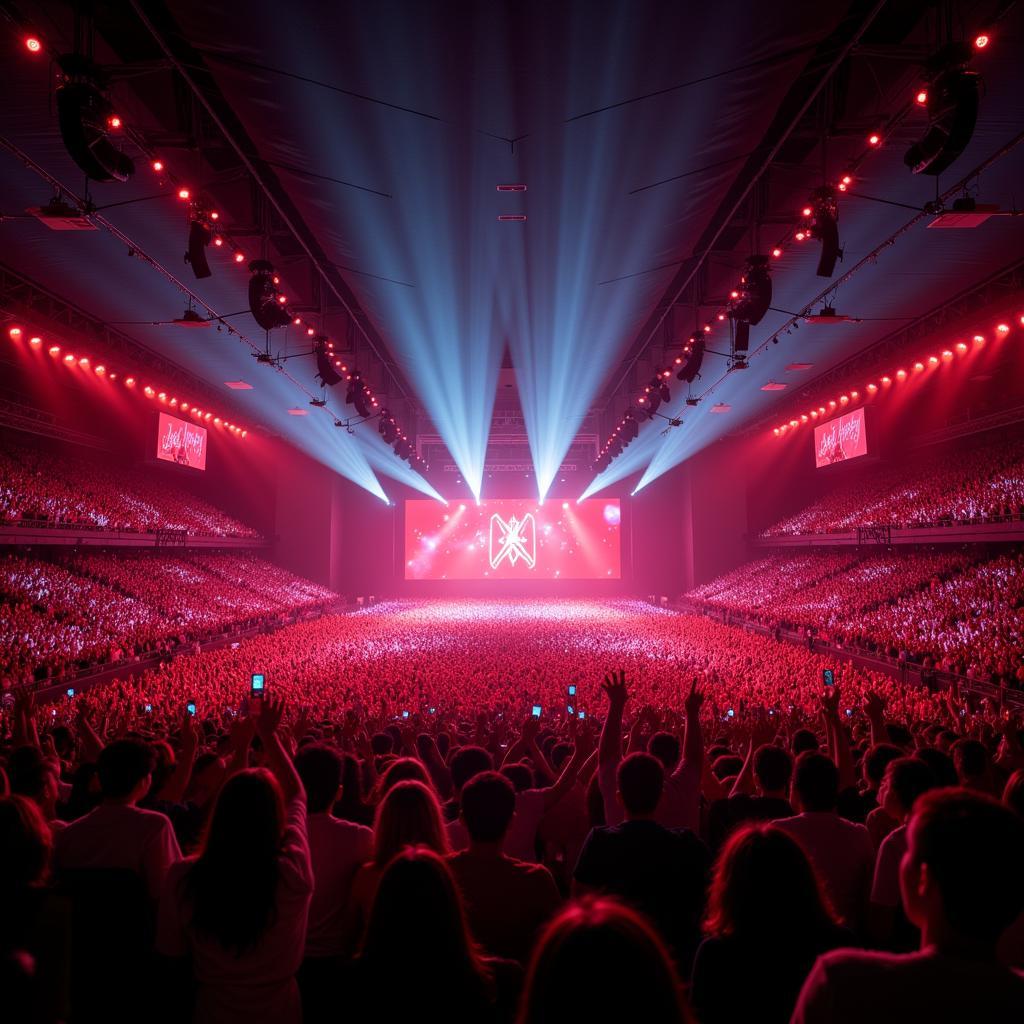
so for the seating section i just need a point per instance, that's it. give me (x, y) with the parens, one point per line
(64, 490)
(959, 609)
(100, 607)
(943, 489)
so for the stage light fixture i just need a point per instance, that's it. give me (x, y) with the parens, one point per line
(82, 115)
(952, 105)
(752, 299)
(693, 356)
(263, 297)
(199, 237)
(325, 370)
(823, 224)
(33, 45)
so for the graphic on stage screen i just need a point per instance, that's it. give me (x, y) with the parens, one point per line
(513, 539)
(841, 439)
(180, 442)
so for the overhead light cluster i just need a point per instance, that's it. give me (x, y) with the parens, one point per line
(404, 448)
(23, 336)
(844, 401)
(626, 431)
(359, 395)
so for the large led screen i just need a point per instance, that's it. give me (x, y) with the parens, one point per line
(840, 439)
(513, 539)
(180, 442)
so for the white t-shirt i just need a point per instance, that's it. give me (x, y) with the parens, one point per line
(119, 836)
(337, 849)
(842, 853)
(257, 986)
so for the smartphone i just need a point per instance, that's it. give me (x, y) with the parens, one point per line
(190, 707)
(582, 715)
(570, 709)
(259, 684)
(849, 712)
(828, 676)
(731, 713)
(149, 709)
(433, 711)
(572, 689)
(405, 714)
(536, 711)
(771, 711)
(71, 692)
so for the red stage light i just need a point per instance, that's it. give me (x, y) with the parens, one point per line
(112, 376)
(245, 433)
(101, 369)
(113, 121)
(918, 366)
(874, 139)
(721, 316)
(311, 331)
(947, 355)
(847, 179)
(806, 211)
(157, 165)
(218, 241)
(69, 358)
(55, 350)
(887, 380)
(35, 340)
(216, 420)
(184, 406)
(183, 193)
(814, 414)
(174, 403)
(855, 395)
(979, 339)
(776, 252)
(794, 423)
(922, 97)
(208, 415)
(707, 330)
(832, 403)
(734, 294)
(872, 388)
(15, 333)
(84, 362)
(961, 346)
(282, 299)
(933, 360)
(129, 382)
(214, 215)
(980, 41)
(297, 321)
(149, 392)
(800, 236)
(1002, 328)
(33, 45)
(239, 257)
(844, 399)
(777, 431)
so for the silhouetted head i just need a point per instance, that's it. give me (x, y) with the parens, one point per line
(233, 883)
(487, 804)
(641, 780)
(763, 882)
(408, 815)
(319, 767)
(600, 961)
(961, 877)
(815, 782)
(25, 843)
(123, 767)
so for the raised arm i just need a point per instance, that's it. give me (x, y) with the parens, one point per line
(839, 741)
(268, 728)
(874, 708)
(693, 734)
(174, 789)
(610, 748)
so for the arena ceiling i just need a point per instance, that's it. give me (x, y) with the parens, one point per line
(360, 147)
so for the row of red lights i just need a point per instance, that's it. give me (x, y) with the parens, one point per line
(960, 349)
(17, 334)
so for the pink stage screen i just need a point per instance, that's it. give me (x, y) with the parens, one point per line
(513, 539)
(180, 442)
(840, 439)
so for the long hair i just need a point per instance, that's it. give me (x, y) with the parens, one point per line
(764, 883)
(409, 815)
(26, 843)
(417, 927)
(402, 769)
(600, 960)
(232, 886)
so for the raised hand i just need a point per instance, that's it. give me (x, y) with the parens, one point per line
(830, 702)
(268, 720)
(531, 727)
(874, 705)
(694, 699)
(615, 688)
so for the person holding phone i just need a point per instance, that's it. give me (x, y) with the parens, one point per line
(238, 909)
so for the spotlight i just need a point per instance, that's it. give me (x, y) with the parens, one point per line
(263, 304)
(184, 193)
(82, 113)
(33, 45)
(157, 165)
(751, 301)
(693, 355)
(981, 40)
(874, 139)
(952, 104)
(15, 333)
(823, 224)
(199, 237)
(324, 367)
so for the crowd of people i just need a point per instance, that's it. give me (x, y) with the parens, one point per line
(949, 609)
(952, 487)
(43, 486)
(496, 811)
(67, 613)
